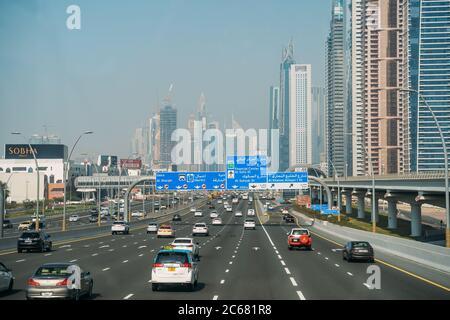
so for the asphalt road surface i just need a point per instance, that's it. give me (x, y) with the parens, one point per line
(234, 264)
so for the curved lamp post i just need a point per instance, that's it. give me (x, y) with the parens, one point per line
(66, 165)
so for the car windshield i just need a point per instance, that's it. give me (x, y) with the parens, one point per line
(249, 220)
(32, 235)
(53, 271)
(361, 244)
(200, 225)
(119, 222)
(182, 241)
(152, 224)
(172, 257)
(299, 232)
(166, 227)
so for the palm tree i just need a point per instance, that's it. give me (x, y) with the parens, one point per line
(4, 186)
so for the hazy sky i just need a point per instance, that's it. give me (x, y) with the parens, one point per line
(107, 77)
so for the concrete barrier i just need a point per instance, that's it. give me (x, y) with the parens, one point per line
(424, 253)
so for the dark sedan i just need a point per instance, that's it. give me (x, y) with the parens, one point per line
(358, 250)
(34, 240)
(176, 217)
(7, 224)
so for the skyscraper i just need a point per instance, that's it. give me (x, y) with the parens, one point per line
(318, 128)
(336, 90)
(274, 105)
(300, 134)
(168, 123)
(287, 59)
(429, 74)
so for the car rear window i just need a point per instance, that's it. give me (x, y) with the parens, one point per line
(172, 257)
(200, 225)
(182, 241)
(249, 220)
(32, 235)
(299, 232)
(361, 244)
(119, 222)
(52, 271)
(165, 227)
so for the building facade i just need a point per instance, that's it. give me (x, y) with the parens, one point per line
(274, 109)
(168, 124)
(318, 128)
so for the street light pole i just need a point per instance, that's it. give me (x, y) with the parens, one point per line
(339, 190)
(37, 180)
(444, 146)
(65, 171)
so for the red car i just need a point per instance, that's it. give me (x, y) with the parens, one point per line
(299, 238)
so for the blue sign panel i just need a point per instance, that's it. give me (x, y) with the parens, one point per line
(246, 172)
(329, 211)
(287, 180)
(318, 207)
(189, 181)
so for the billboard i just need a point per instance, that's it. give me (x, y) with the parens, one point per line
(42, 151)
(103, 160)
(131, 163)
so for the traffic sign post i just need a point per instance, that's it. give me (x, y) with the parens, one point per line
(246, 172)
(190, 181)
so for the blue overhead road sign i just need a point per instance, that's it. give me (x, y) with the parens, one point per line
(246, 172)
(189, 181)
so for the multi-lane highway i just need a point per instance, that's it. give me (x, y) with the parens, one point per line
(234, 264)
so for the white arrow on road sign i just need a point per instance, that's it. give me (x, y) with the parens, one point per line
(235, 186)
(197, 187)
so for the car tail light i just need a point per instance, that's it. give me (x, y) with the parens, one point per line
(32, 283)
(62, 283)
(186, 265)
(157, 265)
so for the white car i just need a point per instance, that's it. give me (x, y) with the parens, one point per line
(174, 267)
(235, 200)
(162, 207)
(152, 227)
(219, 201)
(250, 212)
(198, 214)
(284, 211)
(165, 231)
(193, 210)
(249, 224)
(137, 214)
(238, 214)
(186, 244)
(200, 229)
(229, 209)
(217, 222)
(120, 227)
(6, 278)
(74, 218)
(213, 214)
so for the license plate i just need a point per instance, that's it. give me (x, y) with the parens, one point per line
(171, 269)
(46, 294)
(362, 251)
(27, 241)
(295, 240)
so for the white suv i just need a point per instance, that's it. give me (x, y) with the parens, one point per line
(249, 224)
(120, 227)
(251, 212)
(198, 214)
(200, 228)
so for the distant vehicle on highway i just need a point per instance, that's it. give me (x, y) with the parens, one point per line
(137, 214)
(299, 238)
(174, 267)
(235, 200)
(219, 201)
(229, 209)
(270, 207)
(198, 214)
(176, 217)
(358, 250)
(7, 224)
(93, 219)
(152, 227)
(238, 214)
(289, 218)
(6, 279)
(249, 224)
(34, 241)
(162, 206)
(165, 230)
(74, 218)
(200, 229)
(186, 244)
(216, 222)
(250, 212)
(193, 209)
(120, 227)
(213, 214)
(50, 281)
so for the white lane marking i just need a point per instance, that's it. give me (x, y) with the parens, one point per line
(235, 251)
(140, 247)
(106, 269)
(95, 254)
(21, 260)
(135, 243)
(74, 260)
(149, 281)
(233, 257)
(336, 265)
(111, 250)
(228, 270)
(87, 245)
(48, 254)
(124, 246)
(105, 246)
(101, 242)
(222, 281)
(141, 255)
(279, 257)
(128, 296)
(287, 270)
(152, 250)
(300, 295)
(319, 253)
(350, 274)
(124, 261)
(368, 286)
(282, 262)
(112, 240)
(66, 246)
(70, 249)
(276, 251)
(144, 240)
(326, 258)
(215, 297)
(231, 262)
(293, 281)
